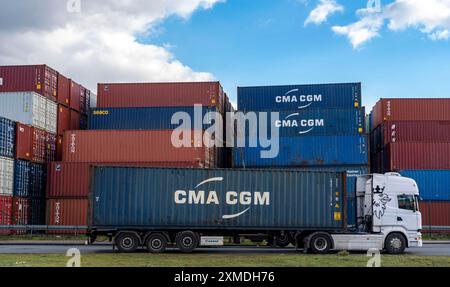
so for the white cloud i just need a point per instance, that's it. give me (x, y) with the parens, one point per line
(324, 9)
(431, 17)
(99, 44)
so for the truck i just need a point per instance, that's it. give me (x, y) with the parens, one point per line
(156, 208)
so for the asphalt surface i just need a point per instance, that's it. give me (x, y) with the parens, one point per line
(436, 249)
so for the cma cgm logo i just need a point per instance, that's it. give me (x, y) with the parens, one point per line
(304, 100)
(307, 124)
(232, 198)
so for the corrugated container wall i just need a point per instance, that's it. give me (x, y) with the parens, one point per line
(414, 156)
(208, 94)
(51, 117)
(20, 208)
(38, 178)
(436, 215)
(286, 199)
(6, 176)
(75, 119)
(63, 119)
(63, 91)
(75, 95)
(36, 213)
(143, 118)
(21, 178)
(433, 184)
(50, 154)
(408, 109)
(306, 151)
(299, 97)
(67, 212)
(40, 79)
(24, 139)
(39, 145)
(132, 146)
(68, 180)
(5, 212)
(7, 137)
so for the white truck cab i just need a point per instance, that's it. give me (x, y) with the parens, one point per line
(388, 216)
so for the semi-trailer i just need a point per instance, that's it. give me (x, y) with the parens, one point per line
(160, 207)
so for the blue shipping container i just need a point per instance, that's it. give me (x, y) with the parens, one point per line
(299, 97)
(37, 180)
(7, 137)
(317, 122)
(306, 152)
(434, 185)
(140, 118)
(224, 199)
(21, 178)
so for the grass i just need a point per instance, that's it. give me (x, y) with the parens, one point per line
(219, 260)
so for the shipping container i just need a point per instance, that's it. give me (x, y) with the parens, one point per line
(208, 94)
(158, 198)
(25, 107)
(416, 156)
(75, 96)
(39, 146)
(38, 180)
(24, 142)
(21, 178)
(51, 118)
(50, 154)
(435, 215)
(314, 122)
(59, 148)
(411, 131)
(306, 152)
(63, 91)
(159, 118)
(411, 109)
(6, 176)
(433, 184)
(83, 122)
(299, 97)
(5, 213)
(40, 79)
(133, 146)
(7, 137)
(67, 212)
(84, 101)
(20, 207)
(75, 120)
(36, 212)
(63, 120)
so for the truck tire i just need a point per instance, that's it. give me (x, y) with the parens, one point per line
(127, 242)
(187, 241)
(395, 244)
(283, 240)
(156, 243)
(320, 244)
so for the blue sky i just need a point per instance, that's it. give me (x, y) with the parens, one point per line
(265, 42)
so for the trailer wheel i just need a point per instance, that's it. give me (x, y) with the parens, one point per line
(320, 244)
(187, 241)
(283, 240)
(127, 242)
(395, 244)
(156, 243)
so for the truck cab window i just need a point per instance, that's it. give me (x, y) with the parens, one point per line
(407, 202)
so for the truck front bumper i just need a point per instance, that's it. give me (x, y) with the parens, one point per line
(415, 239)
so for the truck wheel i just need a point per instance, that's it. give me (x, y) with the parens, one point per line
(395, 244)
(156, 243)
(320, 244)
(187, 241)
(283, 240)
(127, 242)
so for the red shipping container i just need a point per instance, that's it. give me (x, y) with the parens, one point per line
(5, 212)
(75, 96)
(67, 212)
(63, 91)
(435, 214)
(34, 78)
(416, 156)
(411, 109)
(129, 146)
(20, 208)
(39, 145)
(24, 138)
(75, 119)
(59, 148)
(208, 94)
(63, 119)
(413, 131)
(50, 154)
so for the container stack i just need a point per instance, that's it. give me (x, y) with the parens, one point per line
(412, 137)
(32, 102)
(321, 127)
(132, 126)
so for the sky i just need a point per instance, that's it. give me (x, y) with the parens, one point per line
(396, 48)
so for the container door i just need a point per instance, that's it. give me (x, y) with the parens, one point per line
(6, 176)
(51, 116)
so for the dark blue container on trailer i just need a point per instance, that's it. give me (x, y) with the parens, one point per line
(318, 151)
(157, 118)
(37, 180)
(216, 199)
(21, 178)
(434, 185)
(299, 97)
(7, 137)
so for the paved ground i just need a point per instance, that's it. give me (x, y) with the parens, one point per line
(436, 249)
